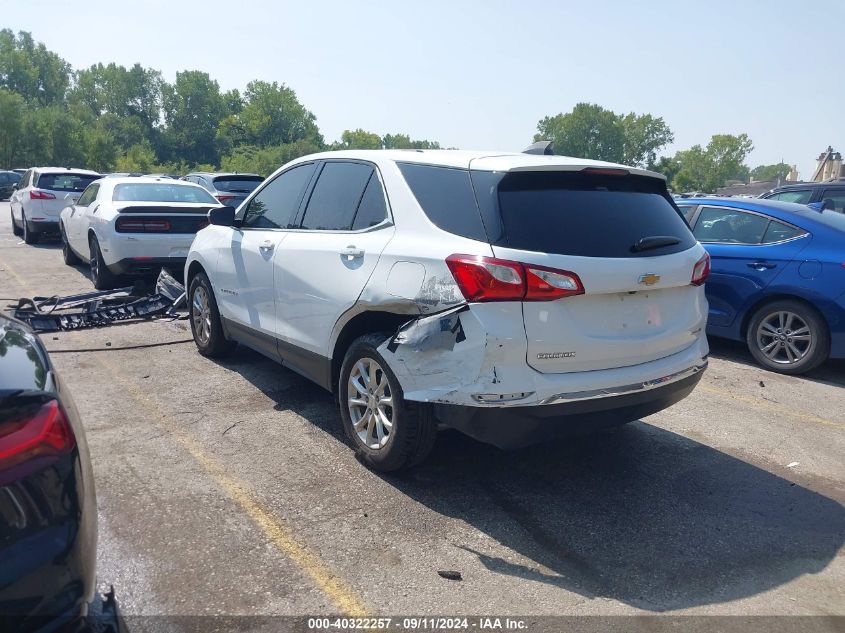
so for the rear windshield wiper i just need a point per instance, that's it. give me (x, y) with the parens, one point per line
(654, 241)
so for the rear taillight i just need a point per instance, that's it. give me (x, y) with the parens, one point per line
(224, 199)
(39, 432)
(605, 171)
(142, 225)
(701, 270)
(37, 194)
(490, 279)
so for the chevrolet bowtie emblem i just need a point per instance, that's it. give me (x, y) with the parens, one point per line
(650, 279)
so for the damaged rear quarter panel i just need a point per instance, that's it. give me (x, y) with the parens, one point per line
(448, 356)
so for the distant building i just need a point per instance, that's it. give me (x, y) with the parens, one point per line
(828, 166)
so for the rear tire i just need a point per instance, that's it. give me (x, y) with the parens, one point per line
(385, 437)
(788, 337)
(101, 276)
(204, 317)
(68, 255)
(16, 230)
(29, 237)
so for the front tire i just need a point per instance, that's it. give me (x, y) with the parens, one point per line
(16, 230)
(68, 255)
(29, 237)
(204, 316)
(101, 276)
(788, 337)
(386, 432)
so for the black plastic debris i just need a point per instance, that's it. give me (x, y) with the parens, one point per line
(99, 309)
(449, 574)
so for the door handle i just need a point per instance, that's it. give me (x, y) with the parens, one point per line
(267, 245)
(352, 251)
(761, 266)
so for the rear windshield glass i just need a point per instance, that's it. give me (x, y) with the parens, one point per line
(571, 213)
(65, 182)
(162, 192)
(237, 184)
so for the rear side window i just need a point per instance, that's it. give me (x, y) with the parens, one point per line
(275, 206)
(65, 181)
(336, 195)
(778, 232)
(730, 226)
(588, 215)
(687, 211)
(238, 184)
(446, 197)
(372, 210)
(800, 197)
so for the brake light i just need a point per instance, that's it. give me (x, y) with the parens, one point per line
(701, 270)
(42, 432)
(223, 198)
(142, 225)
(489, 279)
(37, 194)
(605, 171)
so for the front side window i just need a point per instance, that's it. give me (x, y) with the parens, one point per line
(801, 196)
(730, 226)
(336, 196)
(834, 199)
(275, 206)
(88, 197)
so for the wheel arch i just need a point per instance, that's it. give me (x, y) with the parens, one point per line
(367, 322)
(194, 268)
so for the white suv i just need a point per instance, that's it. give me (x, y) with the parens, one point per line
(510, 296)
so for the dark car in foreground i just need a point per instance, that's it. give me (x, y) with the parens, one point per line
(229, 188)
(828, 195)
(777, 278)
(48, 507)
(8, 182)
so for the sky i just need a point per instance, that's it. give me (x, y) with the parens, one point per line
(480, 74)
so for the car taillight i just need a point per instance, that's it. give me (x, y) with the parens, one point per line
(701, 270)
(39, 432)
(37, 194)
(142, 225)
(490, 279)
(224, 199)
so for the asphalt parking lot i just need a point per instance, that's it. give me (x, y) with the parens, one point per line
(226, 488)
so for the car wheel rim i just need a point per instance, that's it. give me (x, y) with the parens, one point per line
(25, 230)
(94, 266)
(784, 338)
(201, 315)
(370, 403)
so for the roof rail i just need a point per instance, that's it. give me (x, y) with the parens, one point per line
(544, 148)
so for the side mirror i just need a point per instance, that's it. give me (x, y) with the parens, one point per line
(816, 206)
(222, 216)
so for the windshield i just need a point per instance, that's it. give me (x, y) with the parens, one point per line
(162, 192)
(237, 184)
(65, 181)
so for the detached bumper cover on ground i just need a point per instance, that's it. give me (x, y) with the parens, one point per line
(99, 309)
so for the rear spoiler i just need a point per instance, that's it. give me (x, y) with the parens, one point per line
(158, 209)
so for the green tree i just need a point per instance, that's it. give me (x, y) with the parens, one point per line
(37, 74)
(591, 131)
(193, 108)
(138, 158)
(358, 139)
(11, 126)
(707, 169)
(778, 171)
(266, 160)
(403, 141)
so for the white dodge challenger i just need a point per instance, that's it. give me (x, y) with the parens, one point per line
(133, 226)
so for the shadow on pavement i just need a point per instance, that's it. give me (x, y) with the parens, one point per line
(638, 514)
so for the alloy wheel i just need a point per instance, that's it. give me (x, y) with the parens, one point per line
(370, 403)
(784, 337)
(201, 315)
(95, 262)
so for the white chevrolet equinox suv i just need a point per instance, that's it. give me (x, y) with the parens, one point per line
(509, 296)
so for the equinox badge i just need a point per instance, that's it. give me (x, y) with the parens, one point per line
(649, 279)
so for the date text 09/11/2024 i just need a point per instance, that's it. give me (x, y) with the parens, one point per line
(417, 624)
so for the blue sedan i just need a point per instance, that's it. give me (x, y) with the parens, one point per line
(777, 279)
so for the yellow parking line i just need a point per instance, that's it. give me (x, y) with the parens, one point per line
(330, 583)
(12, 272)
(765, 405)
